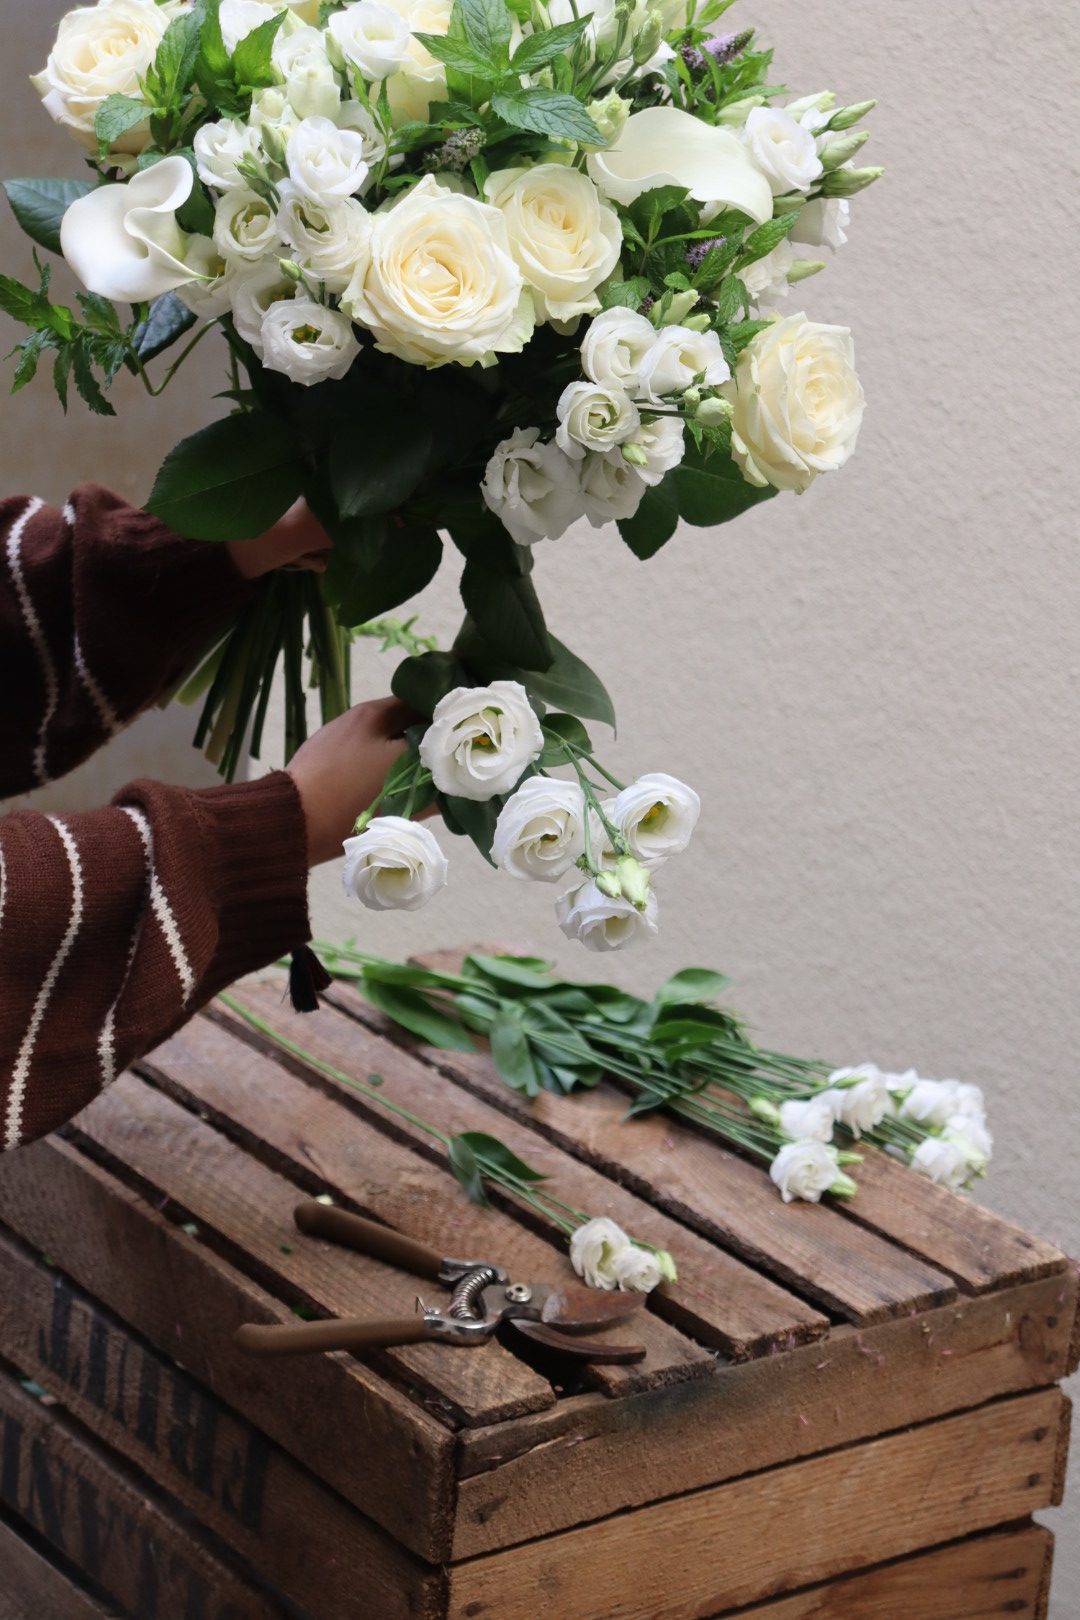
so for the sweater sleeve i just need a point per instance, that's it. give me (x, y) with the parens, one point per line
(116, 925)
(102, 609)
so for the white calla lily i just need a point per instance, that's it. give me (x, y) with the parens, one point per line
(123, 241)
(663, 146)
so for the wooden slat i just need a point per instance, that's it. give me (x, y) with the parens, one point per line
(775, 1532)
(31, 1588)
(324, 1147)
(813, 1248)
(589, 1459)
(370, 1442)
(125, 1540)
(235, 1481)
(1006, 1573)
(251, 1209)
(718, 1300)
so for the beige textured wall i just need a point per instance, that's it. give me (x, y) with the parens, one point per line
(875, 687)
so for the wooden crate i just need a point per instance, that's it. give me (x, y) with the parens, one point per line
(844, 1412)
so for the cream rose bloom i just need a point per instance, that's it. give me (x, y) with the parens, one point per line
(441, 284)
(601, 923)
(532, 488)
(308, 342)
(102, 51)
(614, 347)
(798, 403)
(481, 740)
(329, 241)
(371, 37)
(394, 865)
(540, 832)
(663, 146)
(563, 235)
(123, 241)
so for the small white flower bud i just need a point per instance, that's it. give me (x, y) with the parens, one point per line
(847, 182)
(803, 269)
(849, 116)
(840, 149)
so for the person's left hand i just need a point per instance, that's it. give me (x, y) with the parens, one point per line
(298, 540)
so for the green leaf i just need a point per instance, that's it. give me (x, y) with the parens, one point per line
(377, 565)
(467, 1171)
(410, 1009)
(488, 25)
(495, 1159)
(231, 480)
(626, 294)
(522, 972)
(558, 730)
(168, 319)
(654, 522)
(546, 112)
(471, 819)
(400, 794)
(253, 59)
(87, 385)
(377, 463)
(713, 490)
(457, 54)
(30, 351)
(692, 985)
(40, 206)
(768, 236)
(571, 684)
(421, 682)
(213, 57)
(540, 49)
(512, 1055)
(731, 299)
(116, 115)
(174, 63)
(648, 210)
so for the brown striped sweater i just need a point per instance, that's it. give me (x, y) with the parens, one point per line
(117, 924)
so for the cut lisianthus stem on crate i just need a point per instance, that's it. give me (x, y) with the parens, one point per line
(682, 1053)
(602, 1254)
(482, 271)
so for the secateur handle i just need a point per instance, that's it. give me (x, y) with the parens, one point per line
(368, 1237)
(306, 1338)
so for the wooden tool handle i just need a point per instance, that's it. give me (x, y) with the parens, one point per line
(368, 1237)
(308, 1338)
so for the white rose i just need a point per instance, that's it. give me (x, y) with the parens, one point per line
(566, 240)
(532, 488)
(663, 444)
(307, 341)
(823, 223)
(943, 1162)
(862, 1106)
(326, 164)
(220, 147)
(809, 1121)
(656, 815)
(784, 150)
(312, 85)
(329, 241)
(123, 241)
(663, 146)
(798, 404)
(805, 1170)
(678, 356)
(540, 833)
(421, 79)
(595, 1250)
(394, 865)
(245, 227)
(371, 37)
(767, 278)
(254, 288)
(441, 283)
(614, 347)
(611, 489)
(274, 120)
(931, 1103)
(601, 923)
(594, 418)
(481, 739)
(101, 51)
(637, 1271)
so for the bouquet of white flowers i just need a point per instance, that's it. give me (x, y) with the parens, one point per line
(483, 268)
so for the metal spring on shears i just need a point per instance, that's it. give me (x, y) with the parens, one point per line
(463, 1305)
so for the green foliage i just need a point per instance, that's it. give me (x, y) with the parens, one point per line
(568, 683)
(167, 319)
(378, 461)
(83, 348)
(115, 116)
(767, 237)
(253, 59)
(626, 294)
(378, 563)
(421, 682)
(546, 112)
(498, 594)
(540, 49)
(40, 206)
(468, 818)
(560, 730)
(654, 522)
(415, 1013)
(229, 481)
(711, 490)
(487, 25)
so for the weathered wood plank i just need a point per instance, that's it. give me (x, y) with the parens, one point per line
(124, 1539)
(805, 1523)
(320, 1144)
(32, 1587)
(988, 1576)
(589, 1459)
(812, 1248)
(235, 1480)
(718, 1300)
(371, 1443)
(250, 1208)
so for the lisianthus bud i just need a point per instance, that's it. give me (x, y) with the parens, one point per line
(847, 182)
(763, 1109)
(849, 116)
(648, 41)
(609, 885)
(290, 270)
(697, 323)
(666, 1262)
(824, 101)
(634, 881)
(635, 455)
(803, 269)
(842, 148)
(609, 115)
(680, 306)
(737, 112)
(844, 1187)
(714, 411)
(692, 400)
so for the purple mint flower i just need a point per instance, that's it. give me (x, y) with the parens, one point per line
(726, 47)
(693, 58)
(698, 252)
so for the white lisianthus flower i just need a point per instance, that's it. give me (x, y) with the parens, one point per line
(862, 1106)
(798, 404)
(767, 278)
(310, 80)
(656, 816)
(253, 290)
(212, 294)
(220, 147)
(809, 1121)
(601, 923)
(614, 346)
(239, 18)
(943, 1162)
(973, 1137)
(481, 739)
(564, 237)
(123, 241)
(678, 356)
(245, 226)
(806, 1170)
(595, 1250)
(441, 283)
(540, 833)
(421, 78)
(932, 1103)
(274, 120)
(663, 146)
(307, 341)
(611, 489)
(101, 51)
(532, 488)
(783, 149)
(371, 37)
(330, 241)
(361, 121)
(823, 223)
(969, 1101)
(594, 418)
(326, 164)
(637, 1271)
(394, 865)
(663, 444)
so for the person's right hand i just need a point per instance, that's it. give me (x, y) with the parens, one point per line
(340, 770)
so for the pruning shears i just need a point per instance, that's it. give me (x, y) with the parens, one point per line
(482, 1299)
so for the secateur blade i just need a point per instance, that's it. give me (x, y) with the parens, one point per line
(602, 1352)
(576, 1309)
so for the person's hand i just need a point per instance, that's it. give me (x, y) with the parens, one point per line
(341, 769)
(298, 540)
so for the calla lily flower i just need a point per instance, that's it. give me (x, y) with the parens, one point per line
(123, 241)
(663, 146)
